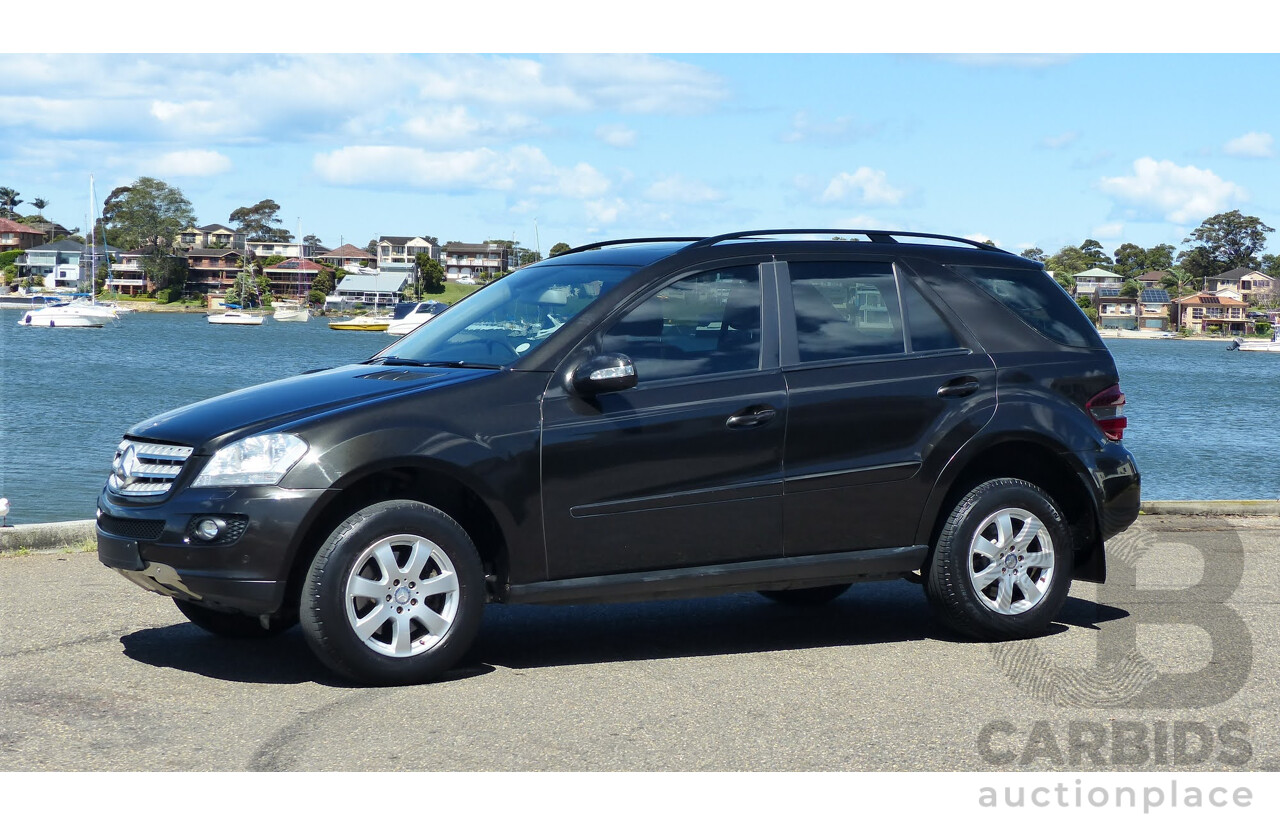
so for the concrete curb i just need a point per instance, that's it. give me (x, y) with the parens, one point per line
(1211, 508)
(62, 535)
(56, 535)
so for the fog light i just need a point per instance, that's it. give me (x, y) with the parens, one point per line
(208, 529)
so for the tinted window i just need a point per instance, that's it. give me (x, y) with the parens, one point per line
(845, 309)
(705, 323)
(1038, 300)
(928, 330)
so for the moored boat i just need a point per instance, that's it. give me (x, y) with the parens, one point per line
(237, 318)
(60, 316)
(363, 323)
(291, 311)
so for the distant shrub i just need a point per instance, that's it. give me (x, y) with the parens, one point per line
(1263, 327)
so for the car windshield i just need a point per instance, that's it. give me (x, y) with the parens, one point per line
(506, 319)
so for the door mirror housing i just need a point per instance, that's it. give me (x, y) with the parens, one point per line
(607, 372)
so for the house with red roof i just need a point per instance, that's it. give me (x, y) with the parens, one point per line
(1210, 314)
(14, 235)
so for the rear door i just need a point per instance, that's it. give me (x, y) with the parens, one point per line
(685, 468)
(883, 387)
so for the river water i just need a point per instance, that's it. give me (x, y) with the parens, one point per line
(1201, 419)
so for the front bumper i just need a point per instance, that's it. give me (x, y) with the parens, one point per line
(151, 545)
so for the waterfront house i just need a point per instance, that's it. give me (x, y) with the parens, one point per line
(64, 263)
(1115, 311)
(213, 236)
(1088, 282)
(346, 255)
(292, 278)
(129, 277)
(383, 290)
(399, 253)
(1153, 309)
(213, 270)
(286, 249)
(1250, 284)
(1204, 313)
(479, 260)
(1151, 278)
(14, 235)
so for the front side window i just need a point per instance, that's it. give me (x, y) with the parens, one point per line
(702, 324)
(509, 318)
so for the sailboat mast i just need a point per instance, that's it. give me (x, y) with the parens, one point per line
(93, 248)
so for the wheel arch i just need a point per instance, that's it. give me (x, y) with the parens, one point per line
(405, 480)
(1059, 474)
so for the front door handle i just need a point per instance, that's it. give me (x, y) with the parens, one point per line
(750, 417)
(959, 387)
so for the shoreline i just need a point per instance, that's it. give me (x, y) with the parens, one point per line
(61, 536)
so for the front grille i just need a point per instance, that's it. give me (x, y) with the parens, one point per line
(131, 528)
(142, 469)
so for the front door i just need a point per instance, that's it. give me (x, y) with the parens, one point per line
(684, 469)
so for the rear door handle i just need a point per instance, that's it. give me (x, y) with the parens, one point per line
(959, 387)
(750, 417)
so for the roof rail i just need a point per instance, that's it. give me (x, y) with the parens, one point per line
(874, 235)
(601, 244)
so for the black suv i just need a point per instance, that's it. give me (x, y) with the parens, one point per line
(787, 411)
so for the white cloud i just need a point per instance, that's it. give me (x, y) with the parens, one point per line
(866, 186)
(605, 211)
(1179, 194)
(1060, 141)
(617, 135)
(1110, 231)
(523, 168)
(1251, 145)
(456, 126)
(838, 130)
(679, 189)
(189, 163)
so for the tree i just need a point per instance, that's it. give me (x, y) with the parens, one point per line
(149, 212)
(313, 240)
(560, 249)
(529, 256)
(1093, 252)
(372, 247)
(1132, 260)
(1035, 253)
(1066, 281)
(260, 223)
(39, 204)
(1131, 289)
(1271, 265)
(431, 275)
(1226, 241)
(9, 201)
(1198, 263)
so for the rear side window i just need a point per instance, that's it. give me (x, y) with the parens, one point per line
(1038, 300)
(845, 309)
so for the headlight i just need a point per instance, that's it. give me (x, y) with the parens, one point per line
(259, 459)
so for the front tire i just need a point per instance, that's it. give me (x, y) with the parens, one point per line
(394, 596)
(1002, 566)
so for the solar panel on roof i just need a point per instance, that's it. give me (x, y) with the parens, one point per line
(1209, 299)
(1155, 296)
(1108, 292)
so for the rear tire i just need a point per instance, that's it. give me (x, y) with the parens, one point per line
(806, 596)
(394, 596)
(1002, 566)
(231, 625)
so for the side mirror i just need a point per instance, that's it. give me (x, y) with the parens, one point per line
(608, 372)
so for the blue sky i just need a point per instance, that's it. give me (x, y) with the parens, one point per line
(1026, 150)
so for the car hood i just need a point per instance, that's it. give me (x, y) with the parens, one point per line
(207, 425)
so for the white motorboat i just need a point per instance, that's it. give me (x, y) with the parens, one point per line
(59, 316)
(410, 316)
(1257, 346)
(238, 318)
(363, 323)
(291, 311)
(92, 309)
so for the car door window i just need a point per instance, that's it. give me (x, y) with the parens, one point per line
(845, 309)
(705, 323)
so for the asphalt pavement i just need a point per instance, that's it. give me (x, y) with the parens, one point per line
(1172, 665)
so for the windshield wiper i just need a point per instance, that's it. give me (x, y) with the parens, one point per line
(397, 361)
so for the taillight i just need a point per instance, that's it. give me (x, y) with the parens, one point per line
(1107, 409)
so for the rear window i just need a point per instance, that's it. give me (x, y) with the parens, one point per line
(1038, 300)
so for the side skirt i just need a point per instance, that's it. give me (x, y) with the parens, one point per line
(767, 574)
